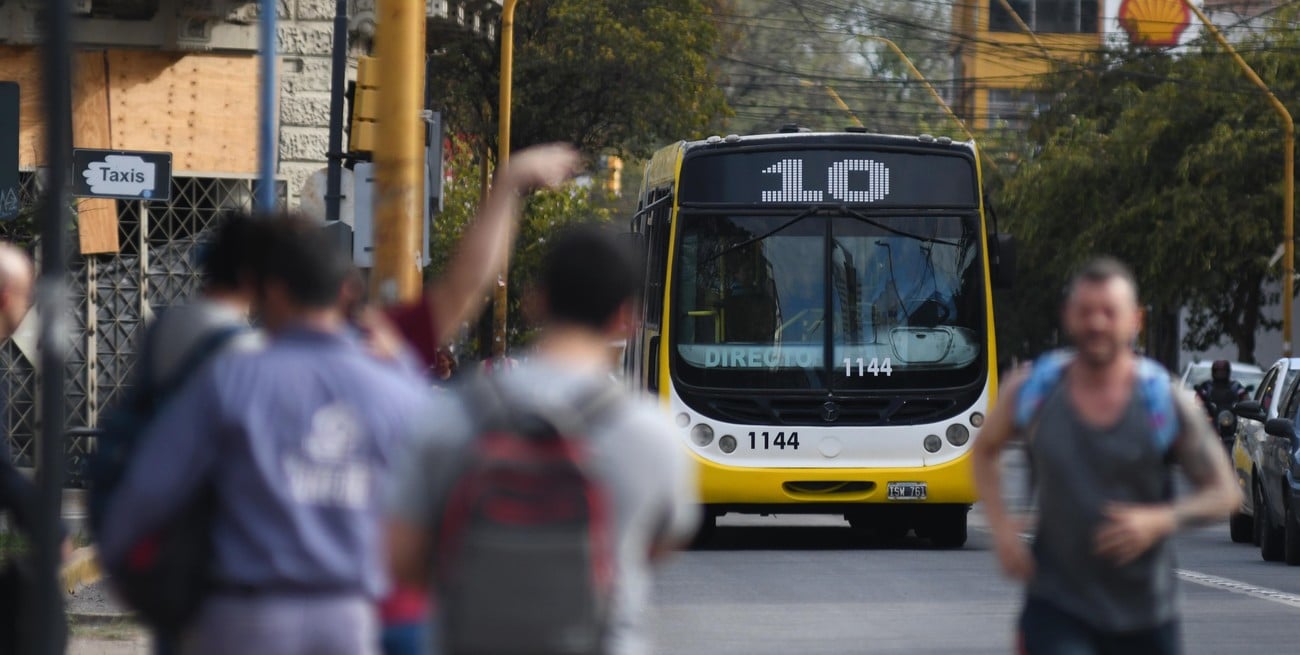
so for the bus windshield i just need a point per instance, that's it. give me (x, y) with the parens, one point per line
(803, 301)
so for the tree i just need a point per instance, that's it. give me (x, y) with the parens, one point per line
(1170, 163)
(620, 75)
(789, 60)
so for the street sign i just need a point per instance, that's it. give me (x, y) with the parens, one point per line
(9, 204)
(121, 174)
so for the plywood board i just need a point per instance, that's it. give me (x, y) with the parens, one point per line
(202, 108)
(23, 65)
(96, 217)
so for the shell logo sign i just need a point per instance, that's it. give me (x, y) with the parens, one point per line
(1154, 22)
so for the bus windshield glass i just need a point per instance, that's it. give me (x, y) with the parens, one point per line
(846, 301)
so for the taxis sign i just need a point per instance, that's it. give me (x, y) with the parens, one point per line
(123, 175)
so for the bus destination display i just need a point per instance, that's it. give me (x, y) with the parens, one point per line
(855, 177)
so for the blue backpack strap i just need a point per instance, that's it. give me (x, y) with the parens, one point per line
(1044, 375)
(1158, 400)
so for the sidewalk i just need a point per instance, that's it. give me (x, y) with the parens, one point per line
(108, 639)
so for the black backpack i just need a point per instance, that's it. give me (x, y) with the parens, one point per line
(524, 560)
(166, 575)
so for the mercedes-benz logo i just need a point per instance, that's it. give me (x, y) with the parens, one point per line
(830, 412)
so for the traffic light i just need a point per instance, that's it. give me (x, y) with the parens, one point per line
(365, 106)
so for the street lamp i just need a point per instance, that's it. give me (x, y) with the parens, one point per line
(929, 87)
(501, 294)
(1288, 176)
(839, 102)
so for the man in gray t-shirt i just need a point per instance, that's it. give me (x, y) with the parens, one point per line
(1100, 574)
(586, 289)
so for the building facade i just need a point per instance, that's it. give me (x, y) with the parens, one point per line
(999, 65)
(176, 76)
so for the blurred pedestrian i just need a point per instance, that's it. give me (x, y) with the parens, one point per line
(173, 349)
(514, 594)
(18, 496)
(1103, 429)
(295, 439)
(426, 326)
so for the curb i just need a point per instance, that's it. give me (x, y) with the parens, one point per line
(80, 570)
(98, 618)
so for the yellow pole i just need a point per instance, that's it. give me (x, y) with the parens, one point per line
(399, 150)
(501, 295)
(1015, 16)
(839, 102)
(929, 87)
(1288, 177)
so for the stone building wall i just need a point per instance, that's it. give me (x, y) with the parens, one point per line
(306, 39)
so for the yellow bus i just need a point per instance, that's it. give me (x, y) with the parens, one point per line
(818, 319)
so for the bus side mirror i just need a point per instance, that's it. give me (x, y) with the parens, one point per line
(1003, 261)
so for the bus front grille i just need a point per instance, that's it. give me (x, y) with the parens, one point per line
(821, 410)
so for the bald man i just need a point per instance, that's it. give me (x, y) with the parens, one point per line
(17, 495)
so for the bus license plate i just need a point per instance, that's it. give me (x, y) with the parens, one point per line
(906, 491)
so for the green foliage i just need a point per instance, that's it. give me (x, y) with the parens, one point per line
(787, 60)
(1171, 164)
(621, 75)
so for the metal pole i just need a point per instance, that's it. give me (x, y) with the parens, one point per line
(839, 102)
(1288, 178)
(266, 143)
(907, 61)
(1024, 27)
(502, 291)
(399, 150)
(46, 634)
(334, 171)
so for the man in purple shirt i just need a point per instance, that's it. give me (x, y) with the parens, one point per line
(295, 440)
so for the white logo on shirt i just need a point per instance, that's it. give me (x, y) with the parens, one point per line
(329, 471)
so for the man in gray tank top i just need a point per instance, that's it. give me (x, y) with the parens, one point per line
(1100, 573)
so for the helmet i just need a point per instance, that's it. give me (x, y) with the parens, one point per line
(1221, 370)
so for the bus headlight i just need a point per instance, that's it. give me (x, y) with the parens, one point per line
(702, 435)
(977, 420)
(933, 443)
(683, 420)
(958, 435)
(727, 443)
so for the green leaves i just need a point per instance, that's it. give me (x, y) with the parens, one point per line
(607, 75)
(1174, 166)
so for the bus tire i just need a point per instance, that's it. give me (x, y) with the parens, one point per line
(708, 526)
(948, 528)
(1241, 528)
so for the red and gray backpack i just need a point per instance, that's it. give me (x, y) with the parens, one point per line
(525, 544)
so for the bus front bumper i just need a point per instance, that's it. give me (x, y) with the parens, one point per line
(819, 490)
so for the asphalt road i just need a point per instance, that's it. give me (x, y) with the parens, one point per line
(812, 586)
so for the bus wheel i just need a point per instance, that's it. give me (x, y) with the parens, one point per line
(708, 526)
(947, 527)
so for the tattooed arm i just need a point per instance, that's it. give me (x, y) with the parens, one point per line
(1131, 530)
(1200, 454)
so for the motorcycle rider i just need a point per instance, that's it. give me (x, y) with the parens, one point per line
(1218, 395)
(1220, 392)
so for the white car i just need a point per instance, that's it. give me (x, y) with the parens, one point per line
(1247, 448)
(1247, 374)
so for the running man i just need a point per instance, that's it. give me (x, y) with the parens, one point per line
(1102, 428)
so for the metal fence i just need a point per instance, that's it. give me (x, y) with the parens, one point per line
(112, 297)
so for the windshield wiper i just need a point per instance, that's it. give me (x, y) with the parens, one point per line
(863, 218)
(798, 217)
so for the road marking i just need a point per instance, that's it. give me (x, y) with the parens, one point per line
(1216, 582)
(1239, 587)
